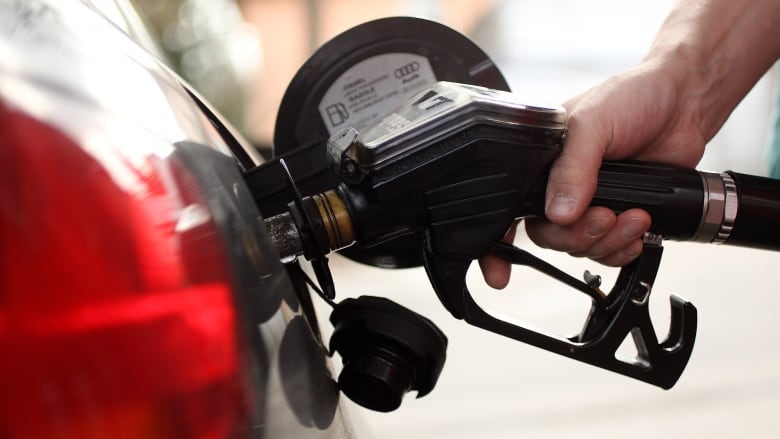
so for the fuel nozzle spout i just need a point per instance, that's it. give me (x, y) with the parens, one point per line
(320, 224)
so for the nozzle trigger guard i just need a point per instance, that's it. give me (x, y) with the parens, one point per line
(613, 317)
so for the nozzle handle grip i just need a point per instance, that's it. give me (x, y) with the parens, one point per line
(673, 196)
(690, 205)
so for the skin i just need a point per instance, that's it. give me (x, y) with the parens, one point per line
(704, 59)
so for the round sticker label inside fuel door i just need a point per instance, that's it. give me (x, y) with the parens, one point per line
(374, 87)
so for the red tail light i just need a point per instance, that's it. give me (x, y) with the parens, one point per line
(116, 314)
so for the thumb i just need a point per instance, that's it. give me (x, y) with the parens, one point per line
(574, 174)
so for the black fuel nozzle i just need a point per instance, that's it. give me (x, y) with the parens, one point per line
(455, 167)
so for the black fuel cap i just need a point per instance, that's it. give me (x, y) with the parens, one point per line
(387, 351)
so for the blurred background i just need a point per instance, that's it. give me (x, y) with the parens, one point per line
(241, 55)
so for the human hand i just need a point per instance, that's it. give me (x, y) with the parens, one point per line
(640, 114)
(704, 59)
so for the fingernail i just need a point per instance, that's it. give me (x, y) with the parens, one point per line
(598, 226)
(634, 229)
(560, 205)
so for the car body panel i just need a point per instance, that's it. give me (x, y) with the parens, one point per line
(139, 293)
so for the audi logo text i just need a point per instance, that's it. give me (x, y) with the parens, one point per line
(406, 69)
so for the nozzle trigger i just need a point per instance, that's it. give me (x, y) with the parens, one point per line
(613, 317)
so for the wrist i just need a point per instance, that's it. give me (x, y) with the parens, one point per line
(682, 69)
(713, 52)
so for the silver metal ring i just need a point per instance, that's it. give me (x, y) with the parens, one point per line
(713, 207)
(731, 206)
(719, 208)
